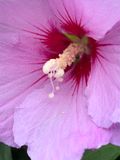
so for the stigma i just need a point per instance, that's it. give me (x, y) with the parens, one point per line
(55, 68)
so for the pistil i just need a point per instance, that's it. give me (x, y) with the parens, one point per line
(55, 68)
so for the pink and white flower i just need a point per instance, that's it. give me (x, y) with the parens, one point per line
(71, 48)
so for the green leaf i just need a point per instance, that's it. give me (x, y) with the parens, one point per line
(108, 152)
(5, 152)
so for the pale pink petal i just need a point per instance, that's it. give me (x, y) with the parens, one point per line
(115, 134)
(57, 128)
(20, 57)
(93, 15)
(20, 71)
(103, 91)
(24, 14)
(99, 15)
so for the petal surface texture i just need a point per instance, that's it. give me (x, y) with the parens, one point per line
(91, 14)
(20, 68)
(103, 89)
(56, 128)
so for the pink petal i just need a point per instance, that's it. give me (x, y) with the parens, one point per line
(97, 13)
(57, 128)
(24, 14)
(93, 15)
(20, 71)
(115, 134)
(103, 89)
(20, 57)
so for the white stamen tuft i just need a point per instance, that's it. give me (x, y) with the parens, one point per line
(55, 68)
(49, 65)
(59, 73)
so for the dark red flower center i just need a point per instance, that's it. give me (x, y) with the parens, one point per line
(57, 40)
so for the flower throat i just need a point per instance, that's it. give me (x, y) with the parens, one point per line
(55, 68)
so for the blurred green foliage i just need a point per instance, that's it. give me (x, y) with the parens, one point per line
(5, 152)
(108, 152)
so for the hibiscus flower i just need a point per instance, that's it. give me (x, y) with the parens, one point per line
(59, 76)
